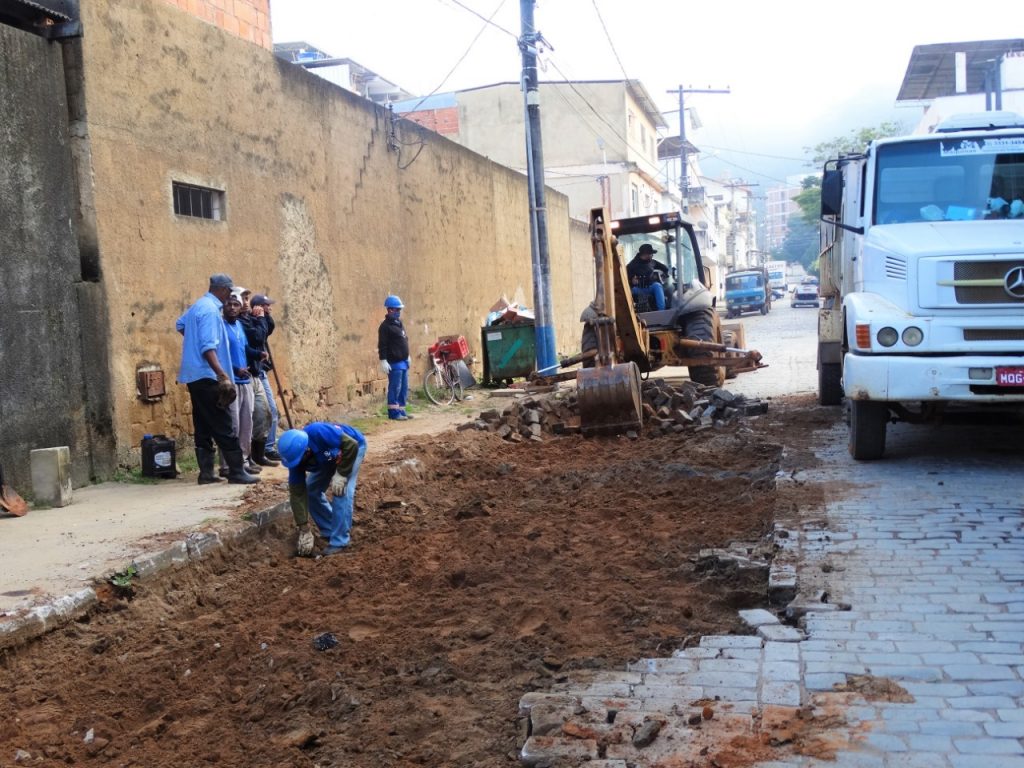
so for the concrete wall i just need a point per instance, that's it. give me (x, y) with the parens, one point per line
(328, 209)
(42, 401)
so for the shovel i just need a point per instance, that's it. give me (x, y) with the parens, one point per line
(10, 500)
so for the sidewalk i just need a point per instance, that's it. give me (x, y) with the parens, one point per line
(51, 558)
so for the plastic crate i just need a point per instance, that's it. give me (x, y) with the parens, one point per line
(455, 347)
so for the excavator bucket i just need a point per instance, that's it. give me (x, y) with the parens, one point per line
(609, 399)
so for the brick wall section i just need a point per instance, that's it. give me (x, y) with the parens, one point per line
(444, 121)
(247, 19)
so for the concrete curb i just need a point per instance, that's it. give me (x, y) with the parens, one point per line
(195, 546)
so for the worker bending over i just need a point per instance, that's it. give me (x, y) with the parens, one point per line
(322, 457)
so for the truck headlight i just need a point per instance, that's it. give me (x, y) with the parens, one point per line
(888, 336)
(913, 336)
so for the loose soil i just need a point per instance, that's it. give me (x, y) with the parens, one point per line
(480, 570)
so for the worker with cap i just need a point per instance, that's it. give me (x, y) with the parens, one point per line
(322, 457)
(393, 351)
(645, 275)
(206, 370)
(259, 325)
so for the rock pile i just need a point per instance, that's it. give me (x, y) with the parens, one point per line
(667, 409)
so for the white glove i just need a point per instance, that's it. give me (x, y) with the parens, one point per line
(304, 545)
(385, 366)
(338, 483)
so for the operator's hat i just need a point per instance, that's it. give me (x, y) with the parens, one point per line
(646, 248)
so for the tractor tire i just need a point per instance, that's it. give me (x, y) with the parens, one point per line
(701, 326)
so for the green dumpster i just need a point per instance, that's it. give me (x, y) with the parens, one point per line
(510, 351)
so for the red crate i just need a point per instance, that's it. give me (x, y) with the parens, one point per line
(455, 347)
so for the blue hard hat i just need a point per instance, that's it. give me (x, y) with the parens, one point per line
(292, 445)
(393, 302)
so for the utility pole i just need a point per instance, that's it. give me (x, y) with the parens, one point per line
(731, 246)
(544, 329)
(684, 182)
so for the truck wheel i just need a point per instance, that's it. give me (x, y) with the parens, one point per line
(764, 309)
(830, 385)
(701, 326)
(868, 420)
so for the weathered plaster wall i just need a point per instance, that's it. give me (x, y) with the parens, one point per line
(329, 209)
(41, 384)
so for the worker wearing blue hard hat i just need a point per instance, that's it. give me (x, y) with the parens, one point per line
(393, 351)
(322, 457)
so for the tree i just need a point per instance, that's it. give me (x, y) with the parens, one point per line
(853, 143)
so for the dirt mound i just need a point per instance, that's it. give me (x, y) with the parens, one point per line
(481, 570)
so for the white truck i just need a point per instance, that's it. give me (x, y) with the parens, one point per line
(776, 277)
(922, 277)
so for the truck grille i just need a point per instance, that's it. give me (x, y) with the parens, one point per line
(984, 270)
(993, 334)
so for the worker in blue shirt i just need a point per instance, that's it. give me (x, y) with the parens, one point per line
(206, 371)
(322, 457)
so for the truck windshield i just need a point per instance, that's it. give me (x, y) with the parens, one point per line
(950, 180)
(742, 282)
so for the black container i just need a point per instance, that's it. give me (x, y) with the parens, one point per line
(158, 456)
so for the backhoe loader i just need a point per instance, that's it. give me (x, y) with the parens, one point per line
(621, 344)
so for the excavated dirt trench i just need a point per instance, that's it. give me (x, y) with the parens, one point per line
(481, 570)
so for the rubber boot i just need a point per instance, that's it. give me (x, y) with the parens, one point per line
(236, 468)
(205, 457)
(258, 454)
(252, 467)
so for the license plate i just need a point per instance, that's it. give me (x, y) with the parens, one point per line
(1010, 377)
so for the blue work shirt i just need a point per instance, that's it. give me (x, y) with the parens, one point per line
(204, 329)
(236, 335)
(327, 442)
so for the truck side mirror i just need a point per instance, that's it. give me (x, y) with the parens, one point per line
(832, 193)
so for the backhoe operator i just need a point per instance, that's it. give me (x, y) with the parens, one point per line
(647, 275)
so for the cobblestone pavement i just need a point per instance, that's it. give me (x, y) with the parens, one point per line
(909, 649)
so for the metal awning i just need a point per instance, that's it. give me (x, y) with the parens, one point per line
(668, 148)
(931, 72)
(52, 19)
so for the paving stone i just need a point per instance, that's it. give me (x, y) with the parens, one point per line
(988, 746)
(783, 694)
(730, 641)
(777, 633)
(775, 651)
(1005, 730)
(781, 671)
(986, 761)
(540, 750)
(661, 665)
(758, 616)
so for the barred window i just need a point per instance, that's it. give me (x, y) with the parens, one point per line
(200, 202)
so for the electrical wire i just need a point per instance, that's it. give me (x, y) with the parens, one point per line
(446, 77)
(610, 43)
(487, 20)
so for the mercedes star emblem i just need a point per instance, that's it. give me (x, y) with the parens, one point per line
(1013, 283)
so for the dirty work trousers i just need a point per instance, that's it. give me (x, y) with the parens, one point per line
(272, 404)
(241, 420)
(210, 422)
(260, 413)
(333, 517)
(398, 391)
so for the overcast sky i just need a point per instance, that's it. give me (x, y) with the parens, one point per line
(799, 71)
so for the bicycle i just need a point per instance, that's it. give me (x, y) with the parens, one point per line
(442, 384)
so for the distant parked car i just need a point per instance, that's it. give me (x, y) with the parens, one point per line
(805, 295)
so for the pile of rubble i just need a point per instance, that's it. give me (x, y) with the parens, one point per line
(667, 409)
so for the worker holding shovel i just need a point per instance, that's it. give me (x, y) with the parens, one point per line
(322, 457)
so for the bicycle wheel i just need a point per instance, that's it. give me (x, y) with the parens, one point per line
(436, 388)
(455, 381)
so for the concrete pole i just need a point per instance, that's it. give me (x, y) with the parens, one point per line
(544, 329)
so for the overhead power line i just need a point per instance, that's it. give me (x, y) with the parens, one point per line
(610, 43)
(487, 20)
